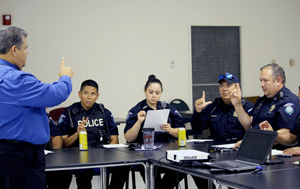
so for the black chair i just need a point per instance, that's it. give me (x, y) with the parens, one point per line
(180, 105)
(55, 113)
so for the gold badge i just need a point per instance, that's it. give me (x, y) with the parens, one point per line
(234, 114)
(272, 108)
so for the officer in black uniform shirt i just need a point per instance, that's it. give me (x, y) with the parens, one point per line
(220, 116)
(278, 107)
(135, 123)
(101, 128)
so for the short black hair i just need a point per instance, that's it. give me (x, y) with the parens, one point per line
(89, 82)
(277, 71)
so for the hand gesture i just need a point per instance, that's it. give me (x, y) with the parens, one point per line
(81, 127)
(65, 70)
(236, 95)
(292, 151)
(200, 104)
(141, 116)
(237, 144)
(265, 125)
(166, 127)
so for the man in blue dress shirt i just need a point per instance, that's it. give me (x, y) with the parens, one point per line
(24, 127)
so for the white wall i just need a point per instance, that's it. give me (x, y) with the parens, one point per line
(119, 43)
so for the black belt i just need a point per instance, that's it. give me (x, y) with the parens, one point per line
(23, 143)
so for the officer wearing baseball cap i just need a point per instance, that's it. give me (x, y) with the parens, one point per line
(219, 116)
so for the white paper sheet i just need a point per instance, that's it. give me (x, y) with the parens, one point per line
(155, 118)
(48, 152)
(199, 140)
(115, 145)
(224, 145)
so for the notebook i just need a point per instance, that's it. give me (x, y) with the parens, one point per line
(253, 151)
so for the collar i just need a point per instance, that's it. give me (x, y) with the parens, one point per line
(6, 63)
(145, 106)
(221, 102)
(88, 111)
(277, 96)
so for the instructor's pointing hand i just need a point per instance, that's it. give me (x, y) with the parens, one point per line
(65, 70)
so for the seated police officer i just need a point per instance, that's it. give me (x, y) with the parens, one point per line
(56, 179)
(279, 106)
(219, 116)
(101, 129)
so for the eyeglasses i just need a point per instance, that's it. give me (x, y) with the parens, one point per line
(227, 76)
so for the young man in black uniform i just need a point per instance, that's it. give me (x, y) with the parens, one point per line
(101, 128)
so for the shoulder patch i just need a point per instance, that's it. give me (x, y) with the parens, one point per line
(61, 119)
(129, 113)
(289, 108)
(113, 119)
(176, 112)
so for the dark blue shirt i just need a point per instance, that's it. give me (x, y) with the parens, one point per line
(222, 121)
(280, 111)
(174, 119)
(23, 99)
(93, 125)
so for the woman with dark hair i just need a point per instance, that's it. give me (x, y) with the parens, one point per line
(135, 123)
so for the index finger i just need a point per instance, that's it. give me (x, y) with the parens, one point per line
(62, 62)
(203, 95)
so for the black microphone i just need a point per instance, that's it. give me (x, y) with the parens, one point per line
(197, 164)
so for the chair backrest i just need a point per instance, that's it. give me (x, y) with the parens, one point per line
(180, 105)
(55, 113)
(252, 99)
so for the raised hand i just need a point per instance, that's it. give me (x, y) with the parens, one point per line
(200, 104)
(141, 116)
(81, 127)
(236, 95)
(65, 70)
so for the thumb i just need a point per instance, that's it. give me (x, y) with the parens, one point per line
(208, 103)
(62, 62)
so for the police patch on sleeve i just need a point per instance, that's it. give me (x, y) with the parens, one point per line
(61, 118)
(129, 113)
(113, 119)
(176, 112)
(289, 108)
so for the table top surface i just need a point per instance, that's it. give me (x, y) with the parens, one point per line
(73, 157)
(272, 176)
